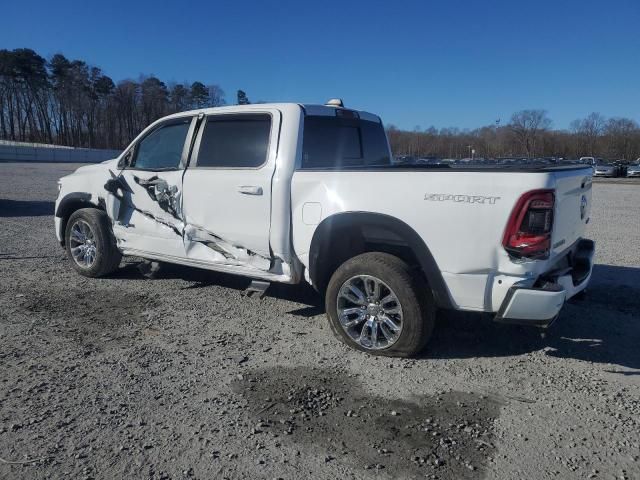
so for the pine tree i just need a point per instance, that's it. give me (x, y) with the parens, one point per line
(242, 98)
(199, 95)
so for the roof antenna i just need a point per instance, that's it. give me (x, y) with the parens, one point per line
(334, 102)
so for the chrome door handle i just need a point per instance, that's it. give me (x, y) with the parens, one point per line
(250, 190)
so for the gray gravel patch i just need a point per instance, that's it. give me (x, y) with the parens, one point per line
(182, 376)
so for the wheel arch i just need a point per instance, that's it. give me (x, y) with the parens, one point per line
(70, 203)
(344, 235)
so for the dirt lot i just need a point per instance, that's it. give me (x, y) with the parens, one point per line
(183, 377)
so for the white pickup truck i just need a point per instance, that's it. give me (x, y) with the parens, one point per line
(291, 193)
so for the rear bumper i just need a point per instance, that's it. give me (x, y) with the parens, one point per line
(540, 305)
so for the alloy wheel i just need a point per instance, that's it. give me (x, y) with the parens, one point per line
(369, 312)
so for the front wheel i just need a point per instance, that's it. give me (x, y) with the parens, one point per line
(375, 303)
(89, 243)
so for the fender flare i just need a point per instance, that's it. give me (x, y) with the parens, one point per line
(319, 248)
(72, 199)
(69, 204)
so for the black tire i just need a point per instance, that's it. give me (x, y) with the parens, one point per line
(107, 257)
(412, 292)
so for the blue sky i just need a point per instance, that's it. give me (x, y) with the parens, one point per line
(421, 63)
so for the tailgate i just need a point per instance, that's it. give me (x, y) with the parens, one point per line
(572, 208)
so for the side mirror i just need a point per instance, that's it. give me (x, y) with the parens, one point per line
(125, 161)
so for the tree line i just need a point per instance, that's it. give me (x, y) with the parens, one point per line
(527, 134)
(69, 102)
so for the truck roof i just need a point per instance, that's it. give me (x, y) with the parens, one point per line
(310, 109)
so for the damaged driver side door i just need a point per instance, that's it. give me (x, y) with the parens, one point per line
(227, 202)
(145, 201)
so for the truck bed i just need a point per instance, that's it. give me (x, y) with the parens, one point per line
(461, 218)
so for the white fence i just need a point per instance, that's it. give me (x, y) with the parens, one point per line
(33, 152)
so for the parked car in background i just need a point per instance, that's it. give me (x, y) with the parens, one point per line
(588, 160)
(606, 170)
(633, 170)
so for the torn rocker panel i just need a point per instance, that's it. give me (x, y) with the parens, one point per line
(232, 254)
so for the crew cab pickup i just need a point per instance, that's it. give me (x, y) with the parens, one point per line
(308, 193)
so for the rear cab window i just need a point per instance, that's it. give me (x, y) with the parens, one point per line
(334, 142)
(235, 141)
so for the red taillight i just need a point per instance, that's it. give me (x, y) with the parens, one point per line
(528, 232)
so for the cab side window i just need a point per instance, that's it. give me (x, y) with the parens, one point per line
(235, 141)
(162, 148)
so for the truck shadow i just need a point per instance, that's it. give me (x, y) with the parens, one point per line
(200, 278)
(604, 327)
(25, 208)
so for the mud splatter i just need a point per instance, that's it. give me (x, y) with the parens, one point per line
(448, 435)
(90, 319)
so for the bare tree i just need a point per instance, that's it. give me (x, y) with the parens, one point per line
(622, 138)
(527, 126)
(216, 96)
(588, 131)
(594, 135)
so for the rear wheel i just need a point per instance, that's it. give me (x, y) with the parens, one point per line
(375, 303)
(89, 243)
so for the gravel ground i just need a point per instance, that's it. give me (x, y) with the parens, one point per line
(184, 377)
